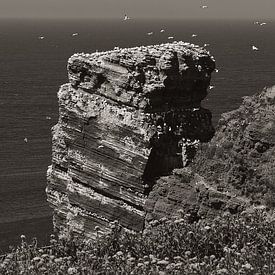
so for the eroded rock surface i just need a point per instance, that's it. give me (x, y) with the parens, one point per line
(123, 122)
(232, 172)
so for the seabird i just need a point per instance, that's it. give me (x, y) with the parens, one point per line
(206, 45)
(48, 118)
(75, 34)
(170, 37)
(211, 87)
(41, 37)
(126, 17)
(204, 7)
(25, 139)
(162, 30)
(216, 70)
(194, 35)
(254, 48)
(262, 24)
(149, 33)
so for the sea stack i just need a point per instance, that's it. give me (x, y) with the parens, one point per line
(126, 118)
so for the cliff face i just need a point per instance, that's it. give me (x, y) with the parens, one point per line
(234, 171)
(124, 118)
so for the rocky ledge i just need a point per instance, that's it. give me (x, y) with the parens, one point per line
(126, 118)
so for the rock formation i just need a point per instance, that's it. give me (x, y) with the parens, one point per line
(232, 172)
(124, 118)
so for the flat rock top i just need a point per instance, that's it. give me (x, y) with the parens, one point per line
(137, 55)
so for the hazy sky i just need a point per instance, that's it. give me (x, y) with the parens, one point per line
(228, 9)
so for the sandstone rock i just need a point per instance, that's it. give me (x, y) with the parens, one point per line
(122, 123)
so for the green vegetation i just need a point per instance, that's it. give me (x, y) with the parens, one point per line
(243, 244)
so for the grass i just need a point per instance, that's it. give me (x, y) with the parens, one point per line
(240, 244)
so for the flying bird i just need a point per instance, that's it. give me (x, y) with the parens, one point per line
(149, 33)
(126, 17)
(75, 34)
(41, 37)
(162, 30)
(194, 35)
(254, 48)
(204, 7)
(259, 23)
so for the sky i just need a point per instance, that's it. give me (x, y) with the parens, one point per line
(167, 9)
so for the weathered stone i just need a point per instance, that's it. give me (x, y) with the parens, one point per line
(124, 119)
(232, 172)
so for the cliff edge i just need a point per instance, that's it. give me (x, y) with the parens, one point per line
(126, 118)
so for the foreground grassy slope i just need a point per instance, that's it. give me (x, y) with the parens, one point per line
(241, 244)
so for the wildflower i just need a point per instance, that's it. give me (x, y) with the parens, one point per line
(187, 253)
(177, 221)
(71, 270)
(58, 260)
(207, 227)
(36, 259)
(119, 253)
(212, 257)
(247, 266)
(222, 271)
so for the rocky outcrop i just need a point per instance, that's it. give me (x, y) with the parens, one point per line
(124, 118)
(241, 156)
(232, 172)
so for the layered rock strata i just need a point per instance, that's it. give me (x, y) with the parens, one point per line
(232, 172)
(124, 119)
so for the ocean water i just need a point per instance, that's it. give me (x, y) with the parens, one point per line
(33, 69)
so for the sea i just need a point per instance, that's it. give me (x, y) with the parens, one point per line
(32, 69)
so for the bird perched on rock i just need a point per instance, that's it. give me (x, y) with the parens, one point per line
(254, 48)
(211, 87)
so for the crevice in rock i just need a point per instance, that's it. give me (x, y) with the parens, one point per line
(108, 194)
